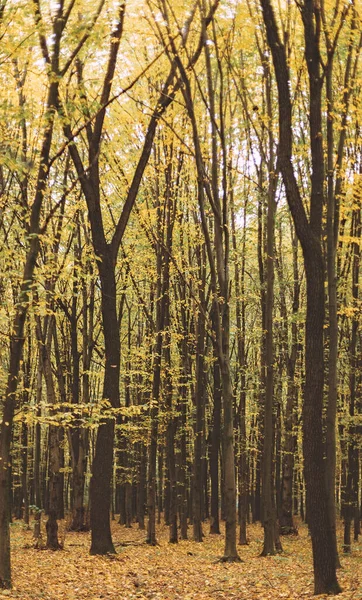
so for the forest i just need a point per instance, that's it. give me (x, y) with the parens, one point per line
(180, 342)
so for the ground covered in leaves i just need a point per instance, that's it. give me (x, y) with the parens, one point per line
(186, 571)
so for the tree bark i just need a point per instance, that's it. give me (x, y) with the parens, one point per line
(286, 522)
(199, 403)
(214, 452)
(100, 486)
(269, 516)
(309, 234)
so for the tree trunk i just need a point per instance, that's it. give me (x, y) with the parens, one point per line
(309, 234)
(286, 522)
(100, 485)
(25, 438)
(141, 486)
(182, 465)
(170, 448)
(316, 495)
(199, 402)
(152, 456)
(214, 452)
(350, 496)
(78, 437)
(269, 516)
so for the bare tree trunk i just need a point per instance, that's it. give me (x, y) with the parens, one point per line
(199, 403)
(182, 408)
(269, 513)
(162, 306)
(100, 486)
(309, 234)
(286, 521)
(55, 487)
(350, 495)
(214, 452)
(25, 437)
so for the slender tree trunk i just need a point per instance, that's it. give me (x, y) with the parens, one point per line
(267, 460)
(78, 436)
(350, 496)
(55, 487)
(141, 486)
(286, 521)
(214, 452)
(259, 514)
(25, 437)
(239, 274)
(199, 402)
(332, 227)
(182, 408)
(269, 513)
(171, 461)
(37, 438)
(162, 298)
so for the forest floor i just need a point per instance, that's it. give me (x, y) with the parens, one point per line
(184, 571)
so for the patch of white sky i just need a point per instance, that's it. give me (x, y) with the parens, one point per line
(228, 9)
(54, 6)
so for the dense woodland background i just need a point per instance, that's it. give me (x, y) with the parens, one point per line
(180, 233)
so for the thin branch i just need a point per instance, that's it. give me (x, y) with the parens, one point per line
(39, 26)
(85, 37)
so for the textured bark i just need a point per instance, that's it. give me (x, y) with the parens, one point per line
(100, 491)
(52, 532)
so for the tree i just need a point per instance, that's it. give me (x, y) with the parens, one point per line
(309, 232)
(52, 59)
(334, 187)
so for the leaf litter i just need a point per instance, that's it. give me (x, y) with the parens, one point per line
(183, 571)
